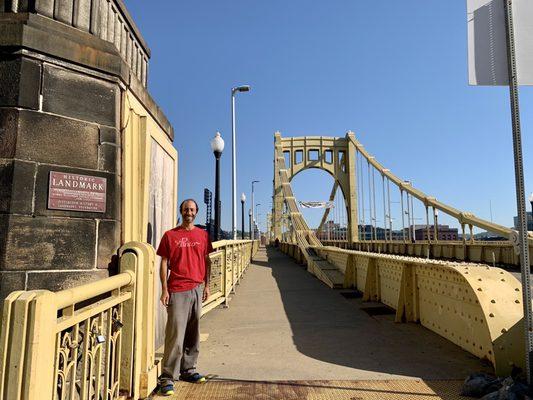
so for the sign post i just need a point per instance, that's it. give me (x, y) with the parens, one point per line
(519, 181)
(495, 58)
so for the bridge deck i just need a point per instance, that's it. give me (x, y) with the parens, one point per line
(283, 324)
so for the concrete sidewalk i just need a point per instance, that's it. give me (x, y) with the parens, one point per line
(284, 324)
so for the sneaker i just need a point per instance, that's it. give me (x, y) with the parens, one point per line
(167, 390)
(193, 378)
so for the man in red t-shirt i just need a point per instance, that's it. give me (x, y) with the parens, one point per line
(184, 273)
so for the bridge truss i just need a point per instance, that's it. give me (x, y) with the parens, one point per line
(344, 159)
(471, 304)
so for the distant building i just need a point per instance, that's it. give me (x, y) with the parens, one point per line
(398, 235)
(444, 232)
(529, 218)
(333, 231)
(367, 232)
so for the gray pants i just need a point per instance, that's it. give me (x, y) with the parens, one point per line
(182, 335)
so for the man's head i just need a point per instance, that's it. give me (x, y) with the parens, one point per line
(188, 210)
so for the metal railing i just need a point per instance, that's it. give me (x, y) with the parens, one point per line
(97, 341)
(475, 306)
(489, 252)
(228, 264)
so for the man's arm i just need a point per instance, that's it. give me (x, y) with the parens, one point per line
(163, 274)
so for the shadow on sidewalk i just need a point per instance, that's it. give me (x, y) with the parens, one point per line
(328, 327)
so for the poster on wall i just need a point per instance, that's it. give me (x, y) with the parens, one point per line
(160, 218)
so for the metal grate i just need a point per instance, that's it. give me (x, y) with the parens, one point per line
(219, 389)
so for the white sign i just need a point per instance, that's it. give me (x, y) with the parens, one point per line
(487, 48)
(317, 204)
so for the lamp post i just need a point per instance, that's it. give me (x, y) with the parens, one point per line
(250, 223)
(243, 88)
(252, 209)
(217, 145)
(436, 227)
(243, 199)
(256, 227)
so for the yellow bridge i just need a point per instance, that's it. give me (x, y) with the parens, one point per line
(286, 335)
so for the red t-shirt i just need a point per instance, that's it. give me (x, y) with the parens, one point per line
(186, 252)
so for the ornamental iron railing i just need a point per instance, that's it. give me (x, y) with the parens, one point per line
(97, 341)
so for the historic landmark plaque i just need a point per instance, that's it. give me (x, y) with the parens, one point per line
(75, 192)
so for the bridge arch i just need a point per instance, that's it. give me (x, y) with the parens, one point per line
(321, 184)
(334, 155)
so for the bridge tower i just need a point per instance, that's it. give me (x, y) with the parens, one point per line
(86, 156)
(336, 156)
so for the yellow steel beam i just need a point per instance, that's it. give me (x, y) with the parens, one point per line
(473, 305)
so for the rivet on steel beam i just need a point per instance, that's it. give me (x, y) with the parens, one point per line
(493, 301)
(517, 301)
(479, 289)
(504, 331)
(491, 315)
(503, 280)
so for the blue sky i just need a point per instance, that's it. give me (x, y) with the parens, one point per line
(393, 72)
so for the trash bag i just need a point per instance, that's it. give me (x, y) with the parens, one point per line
(510, 390)
(480, 384)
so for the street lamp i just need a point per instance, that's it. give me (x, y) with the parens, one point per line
(217, 145)
(257, 224)
(251, 232)
(436, 224)
(255, 220)
(243, 88)
(250, 222)
(243, 199)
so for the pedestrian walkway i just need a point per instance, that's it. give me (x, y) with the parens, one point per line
(285, 325)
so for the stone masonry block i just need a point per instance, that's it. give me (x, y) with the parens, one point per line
(21, 82)
(59, 280)
(47, 244)
(16, 186)
(108, 244)
(109, 135)
(8, 132)
(107, 157)
(11, 281)
(52, 139)
(64, 11)
(4, 226)
(41, 194)
(80, 96)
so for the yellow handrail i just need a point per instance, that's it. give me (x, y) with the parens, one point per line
(67, 297)
(106, 346)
